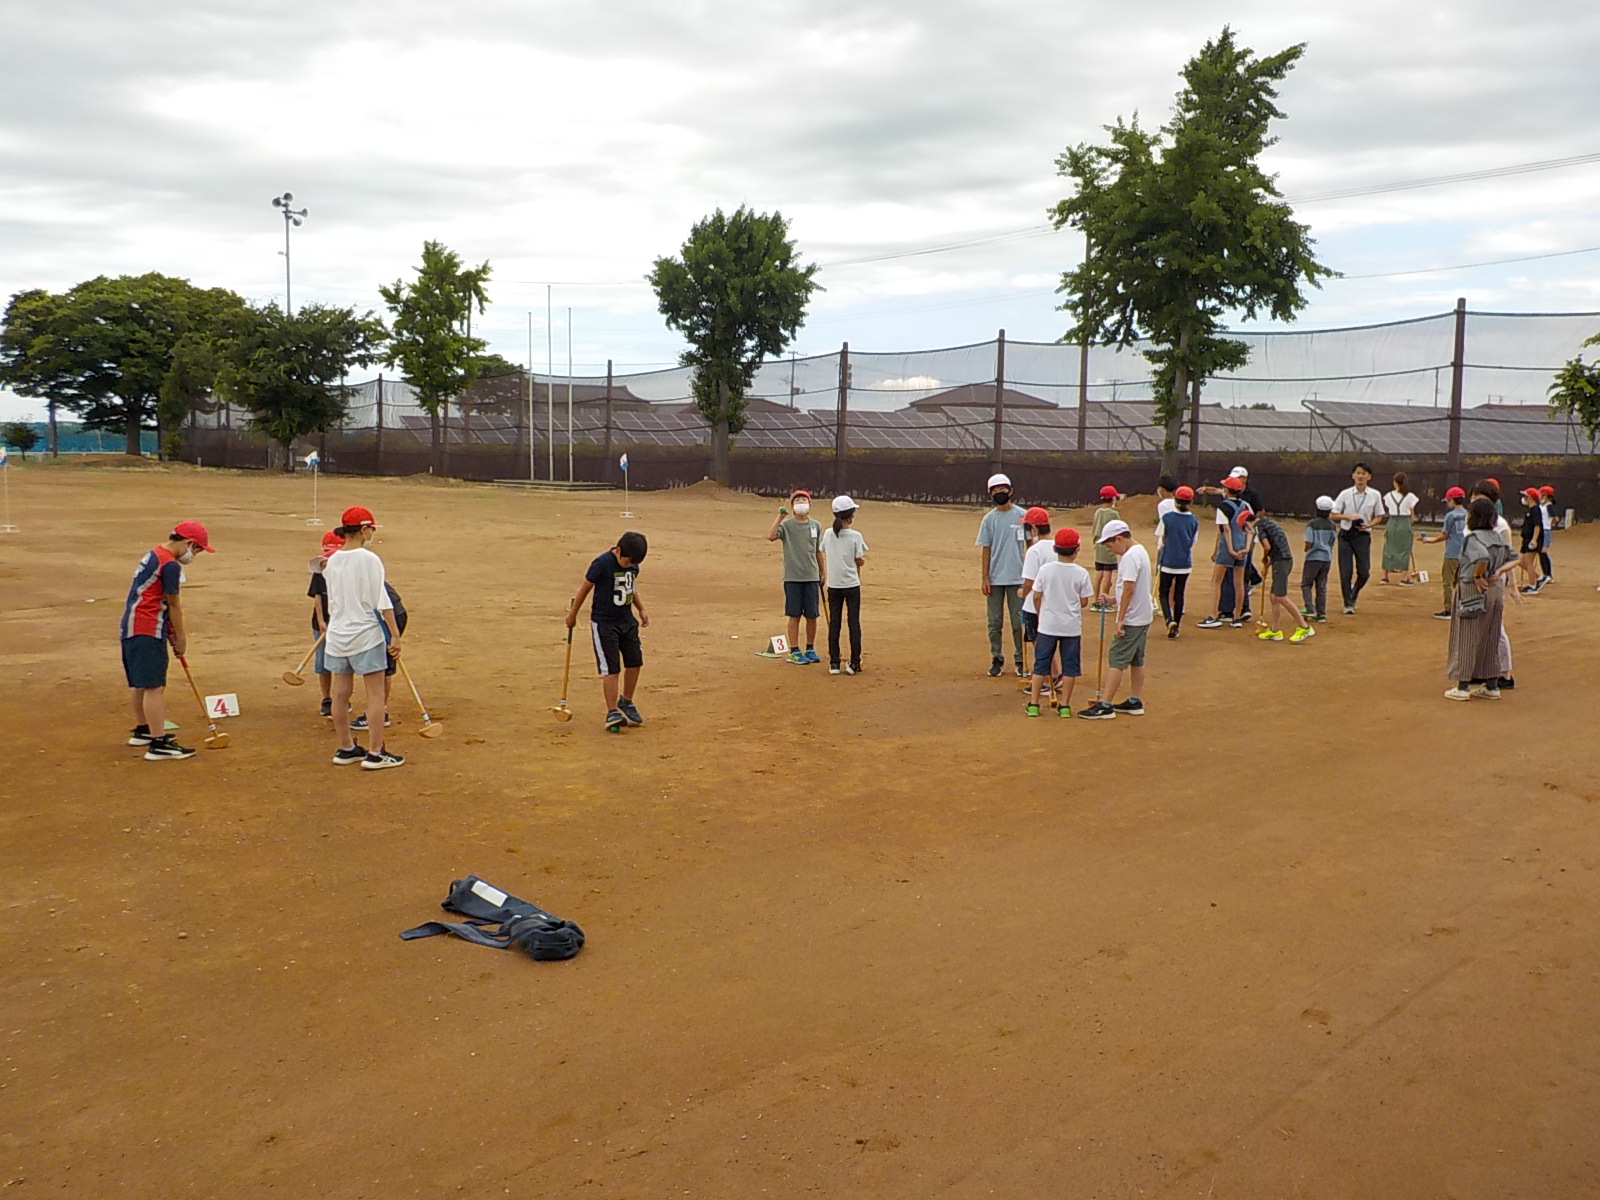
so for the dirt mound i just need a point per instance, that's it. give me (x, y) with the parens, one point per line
(116, 460)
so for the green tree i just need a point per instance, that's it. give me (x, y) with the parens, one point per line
(738, 296)
(105, 348)
(1576, 391)
(21, 435)
(1186, 227)
(432, 342)
(287, 370)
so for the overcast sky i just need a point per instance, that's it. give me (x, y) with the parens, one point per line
(571, 143)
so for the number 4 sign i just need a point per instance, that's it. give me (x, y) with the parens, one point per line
(225, 705)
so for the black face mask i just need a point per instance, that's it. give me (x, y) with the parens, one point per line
(999, 498)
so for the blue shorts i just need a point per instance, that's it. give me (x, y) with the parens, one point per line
(802, 599)
(319, 664)
(144, 661)
(369, 662)
(1048, 645)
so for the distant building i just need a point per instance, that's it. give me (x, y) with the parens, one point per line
(978, 395)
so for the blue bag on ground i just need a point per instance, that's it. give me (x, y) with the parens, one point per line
(518, 923)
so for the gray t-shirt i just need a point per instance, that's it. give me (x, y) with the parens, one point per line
(1002, 533)
(801, 541)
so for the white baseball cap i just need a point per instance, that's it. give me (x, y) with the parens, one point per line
(1239, 473)
(1324, 503)
(1114, 529)
(997, 480)
(843, 504)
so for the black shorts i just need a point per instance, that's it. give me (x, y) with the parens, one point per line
(144, 661)
(1099, 566)
(802, 599)
(616, 646)
(1030, 626)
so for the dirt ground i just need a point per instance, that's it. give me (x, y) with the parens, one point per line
(1305, 930)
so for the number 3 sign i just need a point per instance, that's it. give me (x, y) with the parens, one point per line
(225, 705)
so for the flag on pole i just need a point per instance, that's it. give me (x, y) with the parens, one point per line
(622, 462)
(3, 457)
(311, 459)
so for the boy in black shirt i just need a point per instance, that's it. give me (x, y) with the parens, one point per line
(1278, 558)
(613, 578)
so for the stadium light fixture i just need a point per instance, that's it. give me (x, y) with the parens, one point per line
(291, 216)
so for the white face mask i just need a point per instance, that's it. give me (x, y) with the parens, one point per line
(801, 508)
(187, 556)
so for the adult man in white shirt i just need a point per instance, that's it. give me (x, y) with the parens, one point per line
(361, 639)
(1356, 509)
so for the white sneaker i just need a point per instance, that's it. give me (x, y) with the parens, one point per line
(1457, 693)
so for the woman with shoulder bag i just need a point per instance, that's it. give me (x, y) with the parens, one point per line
(1476, 616)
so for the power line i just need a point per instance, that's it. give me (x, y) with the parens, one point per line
(1493, 262)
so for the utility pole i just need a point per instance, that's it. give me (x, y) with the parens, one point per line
(841, 448)
(996, 454)
(1458, 363)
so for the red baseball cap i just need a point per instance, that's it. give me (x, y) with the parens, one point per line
(1534, 492)
(1547, 490)
(195, 532)
(1233, 483)
(1067, 539)
(1492, 480)
(1036, 516)
(331, 542)
(1109, 493)
(799, 492)
(1454, 493)
(1184, 493)
(356, 516)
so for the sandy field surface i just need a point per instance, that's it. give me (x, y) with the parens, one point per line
(1306, 929)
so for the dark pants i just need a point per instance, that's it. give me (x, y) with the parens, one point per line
(844, 602)
(1544, 563)
(1172, 590)
(1227, 601)
(1314, 587)
(1355, 549)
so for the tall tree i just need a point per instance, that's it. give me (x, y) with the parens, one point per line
(104, 348)
(21, 435)
(1187, 227)
(287, 370)
(738, 296)
(432, 341)
(1576, 391)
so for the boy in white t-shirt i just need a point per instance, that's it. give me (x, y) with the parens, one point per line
(1039, 550)
(362, 638)
(844, 551)
(1061, 590)
(1135, 611)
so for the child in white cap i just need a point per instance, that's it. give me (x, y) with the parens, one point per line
(845, 551)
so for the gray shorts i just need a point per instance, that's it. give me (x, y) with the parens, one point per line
(368, 662)
(1280, 577)
(1128, 650)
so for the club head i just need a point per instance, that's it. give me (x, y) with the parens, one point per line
(216, 741)
(562, 712)
(292, 679)
(430, 729)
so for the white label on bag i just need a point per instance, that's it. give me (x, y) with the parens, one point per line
(492, 894)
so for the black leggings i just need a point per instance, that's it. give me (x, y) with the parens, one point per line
(1173, 587)
(850, 600)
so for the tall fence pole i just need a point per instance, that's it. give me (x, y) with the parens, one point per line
(605, 460)
(1194, 431)
(841, 446)
(1458, 363)
(1083, 396)
(532, 474)
(378, 430)
(997, 454)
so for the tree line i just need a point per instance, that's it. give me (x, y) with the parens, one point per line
(1183, 227)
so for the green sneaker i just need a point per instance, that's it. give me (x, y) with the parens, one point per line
(798, 657)
(1063, 711)
(1032, 710)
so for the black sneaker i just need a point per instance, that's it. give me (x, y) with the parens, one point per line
(381, 761)
(997, 668)
(615, 721)
(625, 706)
(1442, 615)
(1021, 674)
(164, 747)
(1244, 616)
(1507, 683)
(1236, 623)
(852, 668)
(1209, 623)
(345, 758)
(1131, 707)
(1172, 631)
(327, 708)
(361, 721)
(140, 735)
(1098, 711)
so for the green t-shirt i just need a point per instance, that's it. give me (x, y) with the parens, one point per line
(1104, 554)
(801, 541)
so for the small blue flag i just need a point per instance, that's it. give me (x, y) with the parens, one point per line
(623, 462)
(312, 460)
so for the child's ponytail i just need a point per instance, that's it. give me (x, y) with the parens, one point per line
(838, 527)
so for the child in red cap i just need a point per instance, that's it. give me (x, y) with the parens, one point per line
(1453, 535)
(151, 617)
(1547, 512)
(1061, 591)
(1532, 542)
(804, 565)
(362, 639)
(1038, 549)
(317, 590)
(1105, 562)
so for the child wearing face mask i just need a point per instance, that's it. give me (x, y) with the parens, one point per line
(803, 568)
(151, 617)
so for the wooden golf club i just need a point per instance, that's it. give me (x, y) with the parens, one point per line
(216, 739)
(1100, 665)
(292, 678)
(430, 727)
(561, 711)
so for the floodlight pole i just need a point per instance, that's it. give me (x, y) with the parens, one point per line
(291, 216)
(1457, 370)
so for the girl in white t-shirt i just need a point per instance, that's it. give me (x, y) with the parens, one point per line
(1398, 506)
(844, 550)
